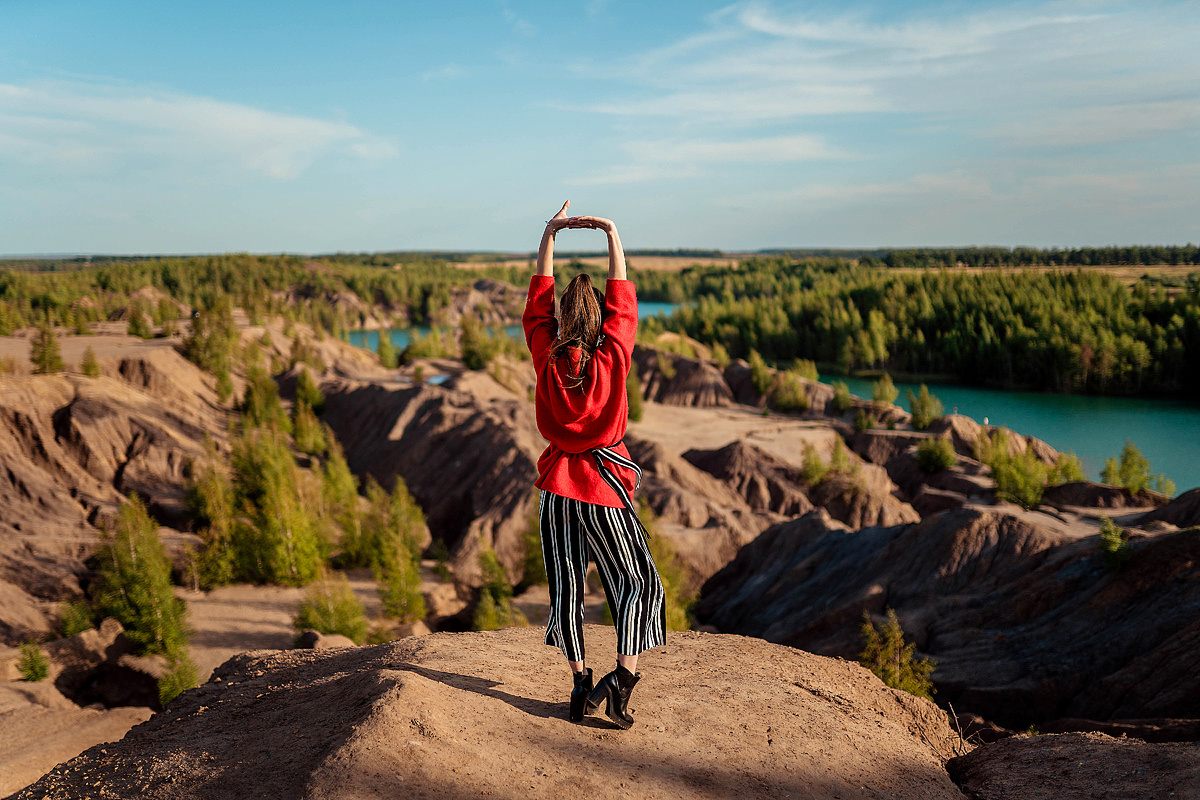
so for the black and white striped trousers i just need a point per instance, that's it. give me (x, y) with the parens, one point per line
(574, 532)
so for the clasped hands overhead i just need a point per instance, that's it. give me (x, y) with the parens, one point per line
(561, 220)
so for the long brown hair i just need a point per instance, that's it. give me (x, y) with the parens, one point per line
(579, 319)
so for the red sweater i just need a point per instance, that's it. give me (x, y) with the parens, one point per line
(594, 415)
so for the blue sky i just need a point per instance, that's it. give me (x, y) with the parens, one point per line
(150, 127)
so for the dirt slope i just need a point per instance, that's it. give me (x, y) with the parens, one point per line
(460, 715)
(1025, 619)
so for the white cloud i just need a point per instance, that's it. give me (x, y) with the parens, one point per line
(76, 125)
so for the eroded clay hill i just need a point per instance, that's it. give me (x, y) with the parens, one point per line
(1026, 618)
(467, 714)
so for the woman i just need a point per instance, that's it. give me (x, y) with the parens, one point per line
(582, 360)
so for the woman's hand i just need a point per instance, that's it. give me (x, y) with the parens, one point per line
(598, 223)
(559, 220)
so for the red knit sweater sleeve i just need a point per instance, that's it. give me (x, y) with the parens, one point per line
(620, 314)
(541, 327)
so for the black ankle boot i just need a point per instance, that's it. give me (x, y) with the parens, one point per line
(615, 687)
(579, 695)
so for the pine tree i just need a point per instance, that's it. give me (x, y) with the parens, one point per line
(45, 352)
(884, 392)
(90, 366)
(885, 654)
(925, 408)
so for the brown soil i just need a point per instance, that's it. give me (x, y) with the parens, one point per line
(464, 715)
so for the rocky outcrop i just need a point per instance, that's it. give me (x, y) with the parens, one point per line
(766, 483)
(71, 449)
(458, 715)
(470, 464)
(1183, 511)
(676, 380)
(1024, 618)
(1092, 765)
(1086, 494)
(489, 301)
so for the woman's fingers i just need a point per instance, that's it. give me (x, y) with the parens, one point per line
(562, 212)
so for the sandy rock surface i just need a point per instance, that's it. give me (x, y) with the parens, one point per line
(1071, 765)
(460, 715)
(41, 728)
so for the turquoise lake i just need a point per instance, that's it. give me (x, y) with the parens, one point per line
(1094, 428)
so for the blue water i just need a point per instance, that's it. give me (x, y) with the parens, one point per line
(1094, 428)
(402, 336)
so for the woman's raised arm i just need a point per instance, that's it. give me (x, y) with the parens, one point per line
(545, 259)
(616, 254)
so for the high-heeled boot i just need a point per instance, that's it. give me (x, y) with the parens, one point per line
(579, 695)
(615, 687)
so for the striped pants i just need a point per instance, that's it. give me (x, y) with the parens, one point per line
(574, 532)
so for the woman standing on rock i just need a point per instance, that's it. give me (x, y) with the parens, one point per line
(582, 360)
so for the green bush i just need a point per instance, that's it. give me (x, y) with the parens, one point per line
(720, 356)
(74, 618)
(134, 584)
(139, 325)
(181, 675)
(762, 377)
(387, 351)
(935, 455)
(495, 609)
(33, 664)
(633, 391)
(44, 352)
(1021, 478)
(1067, 468)
(434, 344)
(260, 406)
(925, 408)
(80, 319)
(307, 432)
(789, 394)
(806, 369)
(666, 365)
(276, 538)
(90, 366)
(864, 421)
(308, 391)
(330, 607)
(1114, 544)
(399, 575)
(842, 399)
(839, 461)
(1132, 470)
(813, 469)
(886, 654)
(884, 392)
(673, 572)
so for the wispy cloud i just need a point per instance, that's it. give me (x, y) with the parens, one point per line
(101, 127)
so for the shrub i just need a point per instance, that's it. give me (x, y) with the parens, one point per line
(32, 663)
(1021, 477)
(307, 432)
(399, 575)
(864, 421)
(90, 366)
(1114, 544)
(44, 351)
(761, 376)
(813, 468)
(805, 369)
(886, 654)
(139, 325)
(1132, 470)
(666, 365)
(134, 584)
(720, 355)
(435, 344)
(789, 393)
(276, 539)
(330, 607)
(181, 675)
(842, 399)
(495, 609)
(260, 404)
(935, 455)
(839, 461)
(925, 408)
(1067, 468)
(673, 572)
(633, 391)
(534, 573)
(80, 319)
(884, 392)
(74, 618)
(392, 520)
(387, 351)
(210, 344)
(308, 391)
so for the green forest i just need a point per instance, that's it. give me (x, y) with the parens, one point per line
(1074, 330)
